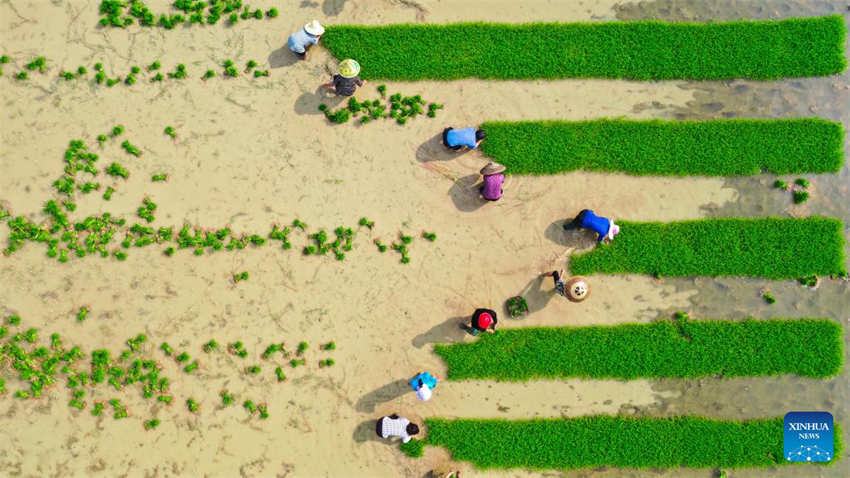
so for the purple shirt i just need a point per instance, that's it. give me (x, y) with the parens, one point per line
(493, 186)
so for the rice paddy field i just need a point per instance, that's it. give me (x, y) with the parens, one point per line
(204, 272)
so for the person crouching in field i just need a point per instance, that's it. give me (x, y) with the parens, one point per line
(395, 426)
(345, 82)
(604, 227)
(457, 139)
(423, 383)
(301, 41)
(491, 190)
(483, 320)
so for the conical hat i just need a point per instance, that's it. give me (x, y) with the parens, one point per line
(492, 168)
(349, 68)
(577, 289)
(314, 28)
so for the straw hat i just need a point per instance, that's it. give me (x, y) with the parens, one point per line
(492, 168)
(577, 289)
(314, 28)
(349, 68)
(424, 393)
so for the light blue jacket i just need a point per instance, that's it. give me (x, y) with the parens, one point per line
(300, 40)
(426, 378)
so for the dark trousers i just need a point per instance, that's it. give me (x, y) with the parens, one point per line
(575, 223)
(446, 139)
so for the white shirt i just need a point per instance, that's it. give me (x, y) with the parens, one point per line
(424, 393)
(395, 427)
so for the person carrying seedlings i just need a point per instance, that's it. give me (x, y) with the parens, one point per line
(604, 227)
(483, 320)
(301, 41)
(491, 190)
(395, 426)
(422, 384)
(457, 139)
(345, 82)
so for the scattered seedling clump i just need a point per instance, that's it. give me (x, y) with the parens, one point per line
(39, 63)
(768, 297)
(230, 69)
(82, 314)
(226, 398)
(809, 281)
(400, 108)
(517, 306)
(179, 73)
(146, 210)
(210, 346)
(240, 277)
(238, 349)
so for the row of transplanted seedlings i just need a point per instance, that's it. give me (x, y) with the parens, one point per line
(399, 107)
(66, 236)
(40, 366)
(123, 13)
(153, 71)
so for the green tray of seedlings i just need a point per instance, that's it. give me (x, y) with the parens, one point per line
(610, 441)
(646, 50)
(680, 348)
(771, 247)
(667, 148)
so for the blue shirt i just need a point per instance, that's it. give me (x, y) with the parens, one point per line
(597, 223)
(427, 379)
(301, 40)
(461, 137)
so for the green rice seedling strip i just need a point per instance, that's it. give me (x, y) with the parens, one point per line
(772, 248)
(596, 441)
(674, 148)
(651, 50)
(664, 349)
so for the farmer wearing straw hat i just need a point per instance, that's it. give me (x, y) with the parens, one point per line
(575, 289)
(346, 81)
(301, 41)
(491, 190)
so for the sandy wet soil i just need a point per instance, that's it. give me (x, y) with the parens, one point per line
(252, 152)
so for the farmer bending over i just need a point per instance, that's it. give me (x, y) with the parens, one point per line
(395, 426)
(604, 227)
(483, 320)
(493, 180)
(301, 41)
(422, 384)
(345, 82)
(457, 139)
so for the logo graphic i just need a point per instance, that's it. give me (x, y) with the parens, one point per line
(808, 436)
